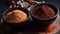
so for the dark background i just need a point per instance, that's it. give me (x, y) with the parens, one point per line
(4, 6)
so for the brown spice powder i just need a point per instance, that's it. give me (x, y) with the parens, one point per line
(43, 11)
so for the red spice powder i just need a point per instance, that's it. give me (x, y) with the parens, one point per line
(43, 11)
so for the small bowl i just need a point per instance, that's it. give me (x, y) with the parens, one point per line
(44, 22)
(19, 24)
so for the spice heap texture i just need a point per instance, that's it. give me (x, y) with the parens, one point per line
(43, 11)
(16, 16)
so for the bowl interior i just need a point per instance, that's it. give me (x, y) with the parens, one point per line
(18, 8)
(49, 5)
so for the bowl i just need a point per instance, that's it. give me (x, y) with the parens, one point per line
(20, 25)
(46, 21)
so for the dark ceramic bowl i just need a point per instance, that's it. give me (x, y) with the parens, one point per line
(19, 24)
(44, 22)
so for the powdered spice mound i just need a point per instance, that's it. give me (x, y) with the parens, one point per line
(16, 16)
(43, 11)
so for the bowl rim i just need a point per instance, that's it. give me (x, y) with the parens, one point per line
(45, 18)
(14, 22)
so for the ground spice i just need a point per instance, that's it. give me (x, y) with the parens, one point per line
(16, 16)
(43, 11)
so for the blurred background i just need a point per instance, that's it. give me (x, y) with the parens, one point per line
(4, 6)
